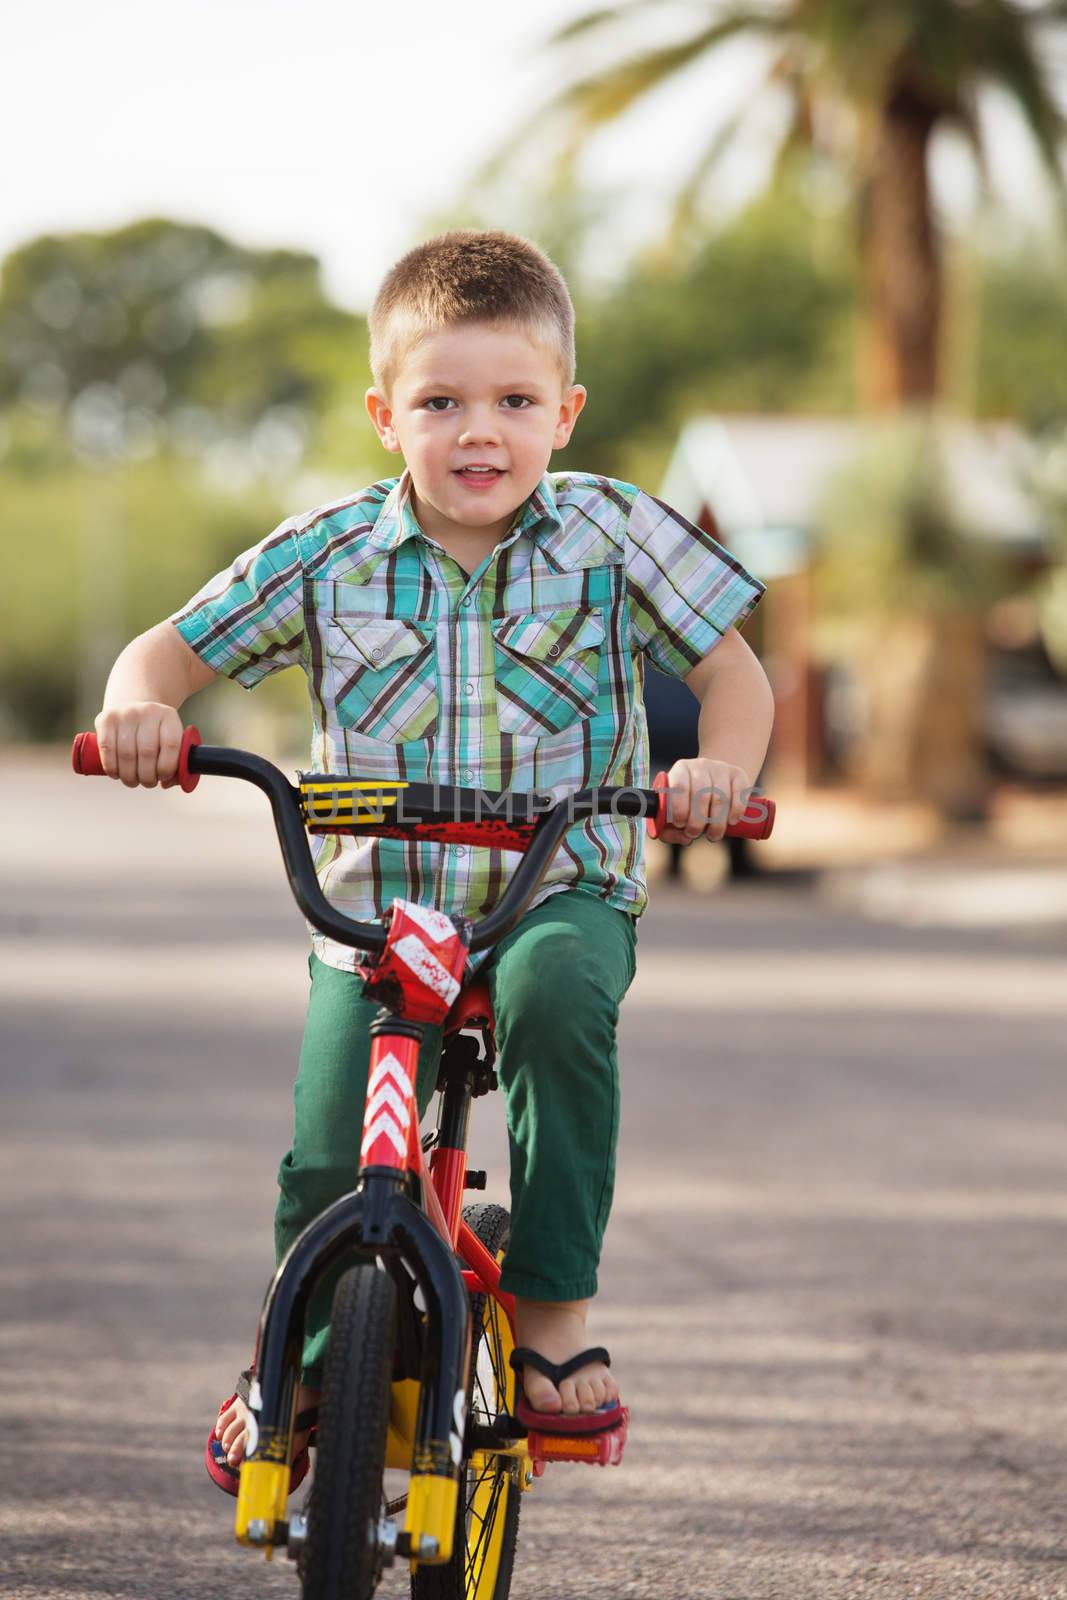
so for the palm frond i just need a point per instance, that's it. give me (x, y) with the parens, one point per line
(606, 94)
(964, 113)
(798, 136)
(602, 96)
(684, 212)
(593, 20)
(780, 74)
(1011, 60)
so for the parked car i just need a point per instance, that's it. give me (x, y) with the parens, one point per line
(1026, 714)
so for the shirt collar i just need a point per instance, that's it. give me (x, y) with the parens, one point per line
(396, 521)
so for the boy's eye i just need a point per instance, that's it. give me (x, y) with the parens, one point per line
(437, 402)
(522, 401)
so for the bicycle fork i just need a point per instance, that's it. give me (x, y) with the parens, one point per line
(378, 1221)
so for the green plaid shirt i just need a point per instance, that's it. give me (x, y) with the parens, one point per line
(524, 675)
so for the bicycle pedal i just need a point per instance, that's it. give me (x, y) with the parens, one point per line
(594, 1449)
(500, 1434)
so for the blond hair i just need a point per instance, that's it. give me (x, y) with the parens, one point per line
(467, 276)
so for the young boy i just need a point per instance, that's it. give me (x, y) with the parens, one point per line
(478, 622)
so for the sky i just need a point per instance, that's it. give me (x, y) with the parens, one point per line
(334, 126)
(328, 126)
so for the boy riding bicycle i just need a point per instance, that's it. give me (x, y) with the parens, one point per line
(478, 621)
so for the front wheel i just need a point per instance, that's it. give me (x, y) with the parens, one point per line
(487, 1516)
(341, 1559)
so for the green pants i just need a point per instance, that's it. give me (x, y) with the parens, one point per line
(556, 983)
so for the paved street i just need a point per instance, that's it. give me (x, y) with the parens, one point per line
(835, 1286)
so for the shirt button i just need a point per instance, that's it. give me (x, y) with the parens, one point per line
(466, 600)
(461, 849)
(377, 653)
(466, 775)
(468, 688)
(553, 649)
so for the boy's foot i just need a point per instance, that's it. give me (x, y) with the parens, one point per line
(556, 1330)
(231, 1429)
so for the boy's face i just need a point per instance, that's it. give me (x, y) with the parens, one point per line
(480, 395)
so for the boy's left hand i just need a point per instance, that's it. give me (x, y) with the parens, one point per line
(705, 798)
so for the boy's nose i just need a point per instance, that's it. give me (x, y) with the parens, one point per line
(480, 428)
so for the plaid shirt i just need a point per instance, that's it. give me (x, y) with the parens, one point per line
(524, 675)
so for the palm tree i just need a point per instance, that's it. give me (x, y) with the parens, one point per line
(868, 83)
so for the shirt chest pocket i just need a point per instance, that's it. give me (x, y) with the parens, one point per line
(382, 677)
(547, 668)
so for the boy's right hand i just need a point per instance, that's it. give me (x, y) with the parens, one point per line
(140, 743)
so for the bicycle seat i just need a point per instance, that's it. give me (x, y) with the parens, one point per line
(472, 1005)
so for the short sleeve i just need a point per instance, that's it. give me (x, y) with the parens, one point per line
(248, 621)
(684, 589)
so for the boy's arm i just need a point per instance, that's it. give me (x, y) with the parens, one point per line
(139, 730)
(687, 598)
(736, 717)
(245, 623)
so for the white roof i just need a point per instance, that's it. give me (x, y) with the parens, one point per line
(765, 478)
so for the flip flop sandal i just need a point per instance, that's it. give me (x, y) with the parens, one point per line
(609, 1415)
(228, 1478)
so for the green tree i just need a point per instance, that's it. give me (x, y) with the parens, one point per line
(754, 320)
(164, 332)
(902, 589)
(1022, 332)
(94, 557)
(160, 389)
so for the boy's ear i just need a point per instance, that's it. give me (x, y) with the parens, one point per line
(382, 418)
(573, 400)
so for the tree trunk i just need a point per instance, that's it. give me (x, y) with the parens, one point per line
(925, 679)
(891, 673)
(948, 756)
(923, 684)
(901, 257)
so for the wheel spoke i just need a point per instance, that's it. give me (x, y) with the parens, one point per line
(468, 1507)
(479, 1385)
(474, 1567)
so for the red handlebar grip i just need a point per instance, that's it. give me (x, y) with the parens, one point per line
(757, 821)
(85, 756)
(85, 759)
(186, 779)
(655, 825)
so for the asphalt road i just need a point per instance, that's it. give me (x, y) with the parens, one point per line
(835, 1278)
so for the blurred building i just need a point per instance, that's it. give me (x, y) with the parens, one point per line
(758, 484)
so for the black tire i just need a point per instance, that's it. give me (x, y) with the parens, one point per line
(341, 1560)
(483, 1554)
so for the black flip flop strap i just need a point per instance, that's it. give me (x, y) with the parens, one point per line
(522, 1357)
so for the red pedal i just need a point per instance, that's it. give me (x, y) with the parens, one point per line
(595, 1449)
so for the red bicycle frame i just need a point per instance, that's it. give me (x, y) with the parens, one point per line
(418, 975)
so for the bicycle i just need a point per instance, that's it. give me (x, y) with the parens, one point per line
(418, 1375)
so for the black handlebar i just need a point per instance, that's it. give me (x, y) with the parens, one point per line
(285, 803)
(553, 818)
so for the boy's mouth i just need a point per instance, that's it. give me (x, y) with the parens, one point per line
(479, 477)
